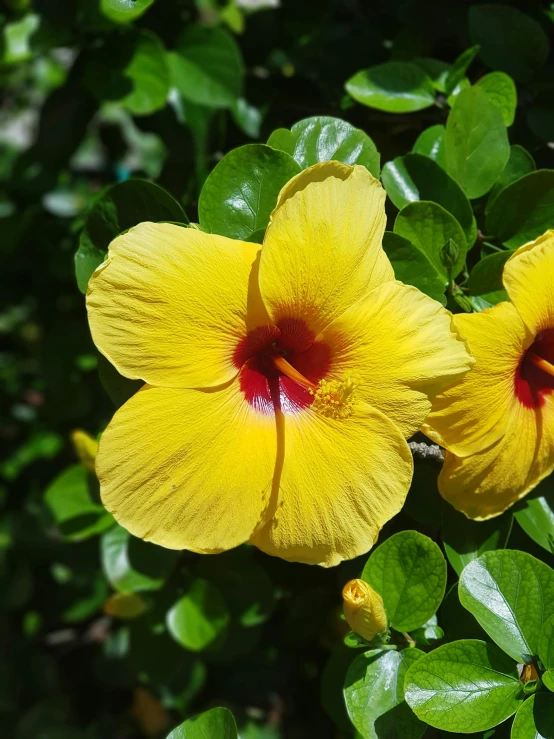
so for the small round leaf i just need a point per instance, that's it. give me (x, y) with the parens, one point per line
(409, 573)
(198, 618)
(396, 87)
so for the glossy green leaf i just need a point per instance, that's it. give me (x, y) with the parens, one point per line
(415, 177)
(523, 210)
(465, 540)
(408, 570)
(133, 565)
(374, 695)
(546, 644)
(485, 279)
(240, 193)
(476, 142)
(207, 66)
(396, 87)
(199, 617)
(454, 620)
(429, 227)
(124, 11)
(430, 143)
(502, 92)
(510, 41)
(464, 686)
(75, 511)
(459, 68)
(413, 267)
(518, 165)
(535, 514)
(217, 723)
(535, 718)
(511, 594)
(322, 138)
(117, 209)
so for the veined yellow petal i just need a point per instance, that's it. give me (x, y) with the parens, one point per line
(189, 469)
(529, 280)
(483, 485)
(171, 303)
(322, 250)
(472, 414)
(342, 480)
(404, 349)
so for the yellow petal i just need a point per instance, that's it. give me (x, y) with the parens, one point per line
(472, 414)
(188, 469)
(322, 250)
(170, 304)
(341, 481)
(403, 347)
(529, 279)
(364, 610)
(483, 485)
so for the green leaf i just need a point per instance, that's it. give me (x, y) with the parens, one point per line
(396, 87)
(117, 209)
(240, 193)
(502, 92)
(523, 210)
(430, 143)
(459, 68)
(429, 226)
(133, 565)
(207, 66)
(464, 686)
(548, 680)
(436, 70)
(198, 618)
(415, 177)
(511, 594)
(485, 279)
(465, 540)
(76, 513)
(374, 695)
(247, 117)
(428, 633)
(217, 723)
(535, 718)
(476, 142)
(413, 267)
(454, 620)
(131, 70)
(510, 40)
(409, 573)
(124, 11)
(322, 138)
(535, 514)
(243, 583)
(546, 644)
(518, 165)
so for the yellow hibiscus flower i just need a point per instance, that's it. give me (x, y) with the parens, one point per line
(281, 382)
(498, 422)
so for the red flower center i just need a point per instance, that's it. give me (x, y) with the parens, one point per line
(535, 374)
(260, 356)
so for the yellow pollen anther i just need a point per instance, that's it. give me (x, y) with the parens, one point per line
(336, 398)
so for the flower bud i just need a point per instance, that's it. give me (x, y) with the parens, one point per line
(363, 609)
(450, 253)
(86, 448)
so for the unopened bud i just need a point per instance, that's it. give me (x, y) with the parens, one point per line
(449, 254)
(86, 448)
(363, 609)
